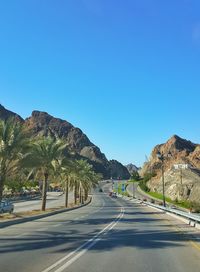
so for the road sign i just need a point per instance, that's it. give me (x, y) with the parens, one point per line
(123, 187)
(181, 166)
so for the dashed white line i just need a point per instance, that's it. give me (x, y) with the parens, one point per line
(58, 225)
(76, 254)
(21, 235)
(42, 229)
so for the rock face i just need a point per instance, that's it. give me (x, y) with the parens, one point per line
(43, 124)
(181, 184)
(6, 114)
(132, 168)
(118, 171)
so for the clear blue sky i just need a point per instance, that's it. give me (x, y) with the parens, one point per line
(126, 72)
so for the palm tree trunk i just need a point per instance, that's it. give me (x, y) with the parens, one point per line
(80, 195)
(1, 187)
(66, 193)
(86, 194)
(82, 198)
(44, 192)
(75, 192)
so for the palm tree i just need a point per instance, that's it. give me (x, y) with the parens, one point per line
(12, 146)
(65, 170)
(43, 158)
(85, 179)
(92, 181)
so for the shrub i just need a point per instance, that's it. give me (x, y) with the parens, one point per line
(143, 182)
(195, 206)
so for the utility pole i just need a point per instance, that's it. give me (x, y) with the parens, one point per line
(162, 158)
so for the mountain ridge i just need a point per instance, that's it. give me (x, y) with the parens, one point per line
(41, 123)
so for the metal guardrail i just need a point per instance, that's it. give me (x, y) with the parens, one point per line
(190, 217)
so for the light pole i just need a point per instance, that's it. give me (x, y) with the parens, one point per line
(161, 157)
(181, 175)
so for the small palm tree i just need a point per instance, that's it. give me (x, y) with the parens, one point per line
(65, 171)
(13, 143)
(43, 158)
(85, 179)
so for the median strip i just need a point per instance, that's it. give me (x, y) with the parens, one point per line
(41, 215)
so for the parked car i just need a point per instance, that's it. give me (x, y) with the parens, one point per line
(6, 207)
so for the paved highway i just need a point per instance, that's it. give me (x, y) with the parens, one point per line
(107, 235)
(54, 200)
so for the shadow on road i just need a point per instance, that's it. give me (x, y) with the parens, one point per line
(138, 229)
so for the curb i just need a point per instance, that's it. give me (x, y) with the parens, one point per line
(36, 217)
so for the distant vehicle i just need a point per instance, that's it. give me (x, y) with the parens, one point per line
(100, 190)
(6, 207)
(144, 199)
(152, 201)
(114, 195)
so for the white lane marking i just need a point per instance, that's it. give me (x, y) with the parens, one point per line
(85, 247)
(42, 229)
(21, 235)
(58, 225)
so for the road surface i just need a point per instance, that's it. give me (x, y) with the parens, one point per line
(54, 200)
(108, 235)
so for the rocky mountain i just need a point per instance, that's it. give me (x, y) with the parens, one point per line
(5, 114)
(183, 184)
(43, 124)
(118, 171)
(132, 168)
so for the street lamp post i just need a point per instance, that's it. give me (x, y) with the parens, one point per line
(163, 184)
(161, 157)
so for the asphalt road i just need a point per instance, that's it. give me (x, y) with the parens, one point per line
(107, 235)
(54, 200)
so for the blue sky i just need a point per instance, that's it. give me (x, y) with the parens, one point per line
(126, 72)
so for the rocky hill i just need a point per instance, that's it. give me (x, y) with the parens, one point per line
(132, 168)
(43, 124)
(5, 114)
(118, 171)
(183, 184)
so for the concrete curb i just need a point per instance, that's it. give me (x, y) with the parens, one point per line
(36, 217)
